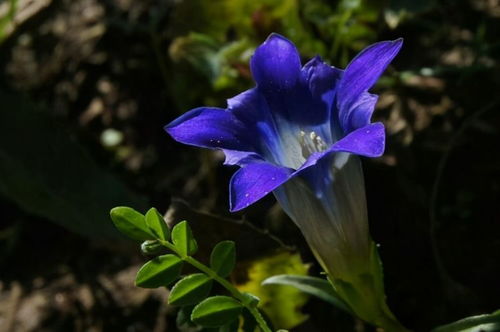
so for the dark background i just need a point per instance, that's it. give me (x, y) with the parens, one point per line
(86, 87)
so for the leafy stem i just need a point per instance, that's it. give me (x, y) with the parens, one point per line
(210, 312)
(246, 301)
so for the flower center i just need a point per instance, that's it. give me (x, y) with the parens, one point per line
(310, 143)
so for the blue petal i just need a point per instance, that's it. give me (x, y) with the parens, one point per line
(361, 112)
(368, 141)
(254, 181)
(276, 68)
(210, 128)
(240, 158)
(276, 64)
(322, 80)
(251, 108)
(362, 73)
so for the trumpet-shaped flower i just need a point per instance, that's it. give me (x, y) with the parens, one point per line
(298, 133)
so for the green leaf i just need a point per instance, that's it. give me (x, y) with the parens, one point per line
(216, 311)
(183, 239)
(131, 223)
(318, 287)
(481, 323)
(158, 272)
(190, 290)
(223, 258)
(157, 225)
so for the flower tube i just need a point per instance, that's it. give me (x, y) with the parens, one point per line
(299, 134)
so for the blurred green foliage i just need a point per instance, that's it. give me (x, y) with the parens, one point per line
(7, 17)
(282, 304)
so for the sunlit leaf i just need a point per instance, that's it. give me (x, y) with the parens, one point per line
(131, 223)
(157, 225)
(216, 311)
(158, 272)
(190, 290)
(183, 239)
(223, 258)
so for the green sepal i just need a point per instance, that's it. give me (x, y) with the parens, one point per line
(216, 311)
(183, 240)
(157, 225)
(131, 223)
(223, 258)
(158, 272)
(190, 290)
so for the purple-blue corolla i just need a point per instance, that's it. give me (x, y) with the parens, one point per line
(294, 117)
(298, 133)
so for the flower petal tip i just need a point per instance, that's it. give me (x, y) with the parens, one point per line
(254, 181)
(276, 64)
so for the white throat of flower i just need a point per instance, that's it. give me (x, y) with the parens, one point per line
(311, 142)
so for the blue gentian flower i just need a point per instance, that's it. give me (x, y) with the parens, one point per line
(293, 118)
(298, 133)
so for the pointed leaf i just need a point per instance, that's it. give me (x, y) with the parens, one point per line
(318, 287)
(183, 239)
(216, 311)
(131, 223)
(480, 323)
(190, 290)
(223, 258)
(158, 272)
(157, 225)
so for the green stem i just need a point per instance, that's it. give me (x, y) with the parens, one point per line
(224, 283)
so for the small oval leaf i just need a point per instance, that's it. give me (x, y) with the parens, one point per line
(157, 225)
(190, 290)
(216, 311)
(131, 223)
(223, 258)
(158, 272)
(183, 239)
